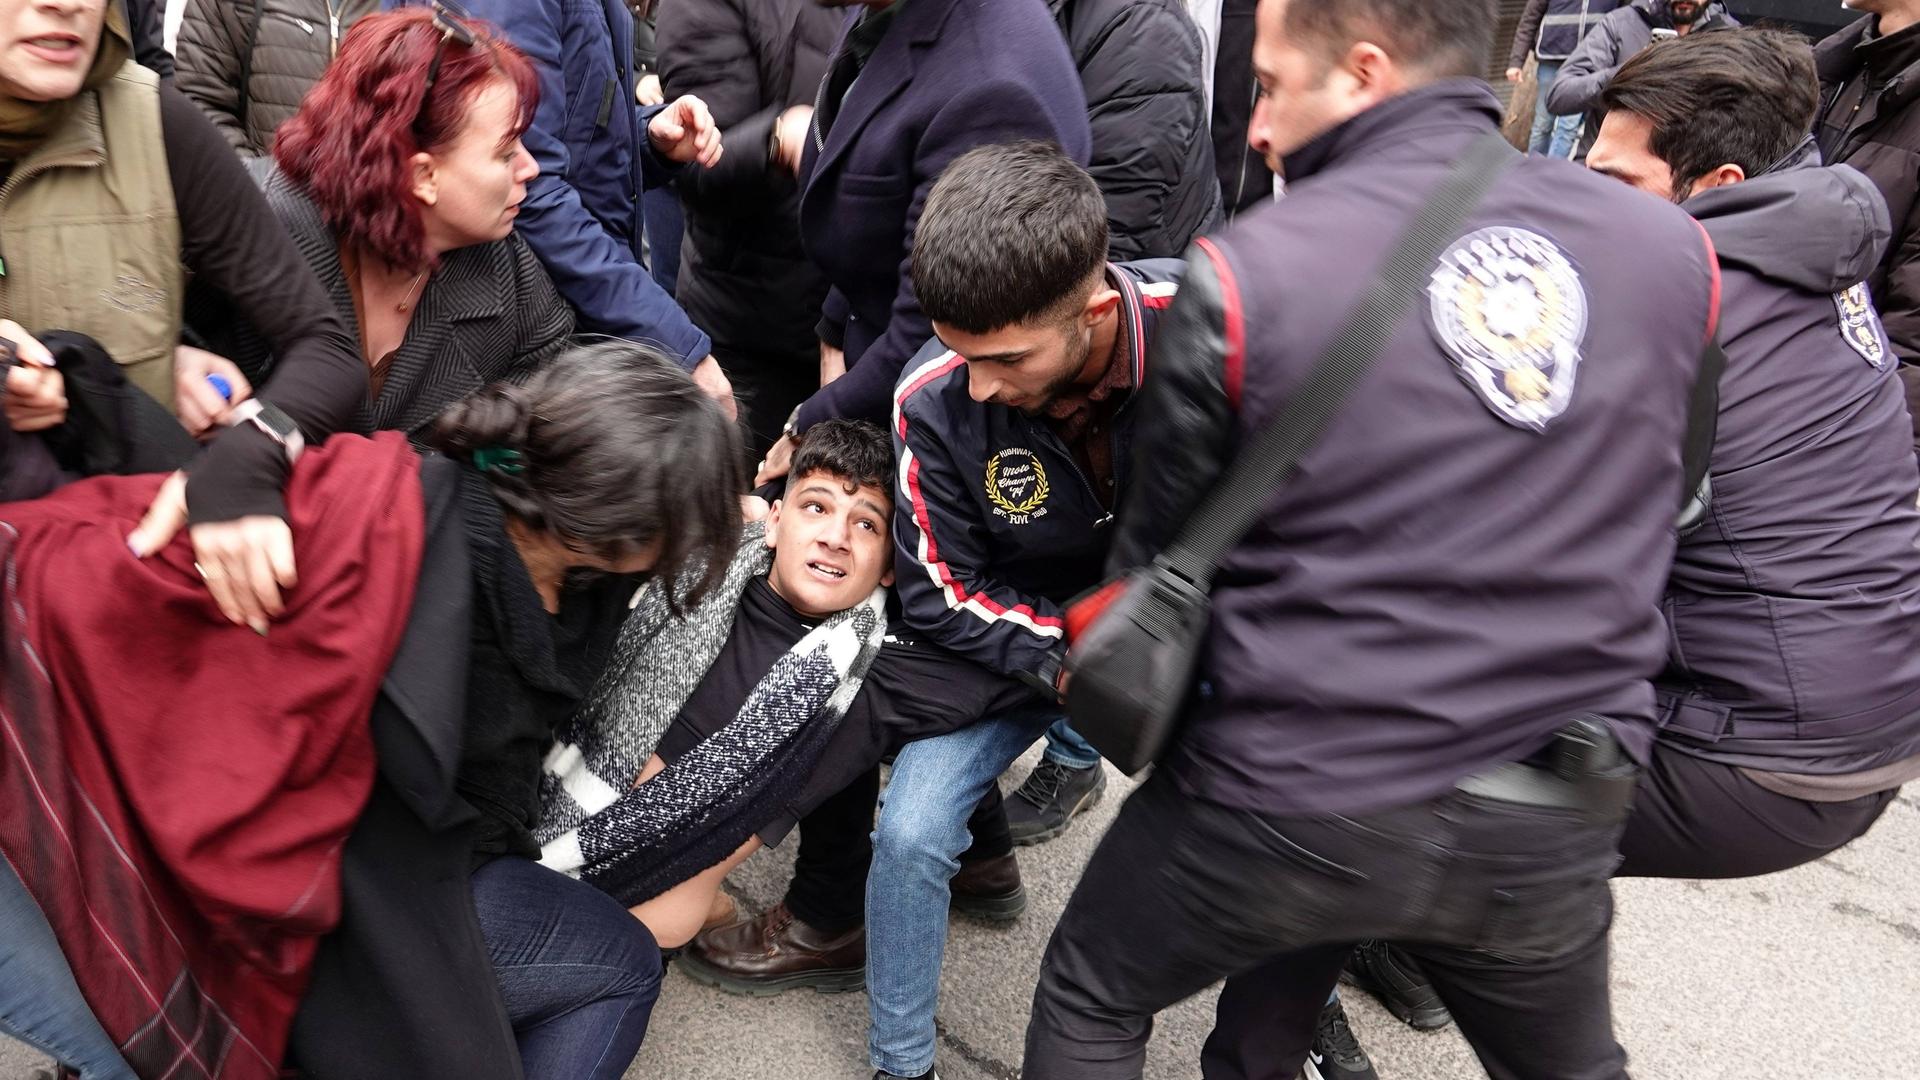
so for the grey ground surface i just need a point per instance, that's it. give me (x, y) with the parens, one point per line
(1814, 972)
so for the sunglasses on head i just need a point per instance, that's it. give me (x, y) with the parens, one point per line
(451, 20)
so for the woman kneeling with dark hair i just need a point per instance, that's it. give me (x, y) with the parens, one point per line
(311, 846)
(558, 495)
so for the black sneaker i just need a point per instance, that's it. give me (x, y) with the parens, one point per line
(1052, 796)
(930, 1074)
(1396, 979)
(1336, 1054)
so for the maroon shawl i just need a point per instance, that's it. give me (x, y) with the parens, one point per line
(175, 790)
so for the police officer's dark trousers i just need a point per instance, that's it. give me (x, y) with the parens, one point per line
(1182, 893)
(1694, 818)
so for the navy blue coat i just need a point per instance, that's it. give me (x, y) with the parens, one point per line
(1794, 610)
(948, 76)
(1473, 553)
(582, 214)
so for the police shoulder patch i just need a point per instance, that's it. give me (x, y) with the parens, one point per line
(1511, 311)
(1860, 325)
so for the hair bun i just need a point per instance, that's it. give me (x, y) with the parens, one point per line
(492, 418)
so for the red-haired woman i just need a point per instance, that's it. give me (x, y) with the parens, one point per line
(399, 180)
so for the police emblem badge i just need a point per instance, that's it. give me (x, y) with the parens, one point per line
(1511, 311)
(1860, 325)
(1017, 485)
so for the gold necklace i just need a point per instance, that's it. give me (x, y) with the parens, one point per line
(406, 302)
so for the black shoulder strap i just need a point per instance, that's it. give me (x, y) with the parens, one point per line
(245, 98)
(1703, 424)
(1236, 502)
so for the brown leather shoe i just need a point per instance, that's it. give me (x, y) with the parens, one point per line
(775, 953)
(989, 889)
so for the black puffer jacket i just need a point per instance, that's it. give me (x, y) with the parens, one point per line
(1870, 94)
(744, 277)
(280, 47)
(1143, 67)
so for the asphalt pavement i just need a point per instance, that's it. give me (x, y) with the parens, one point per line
(1814, 972)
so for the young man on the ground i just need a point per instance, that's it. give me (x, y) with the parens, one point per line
(1013, 429)
(714, 731)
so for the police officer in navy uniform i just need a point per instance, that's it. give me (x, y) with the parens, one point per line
(1789, 709)
(1457, 588)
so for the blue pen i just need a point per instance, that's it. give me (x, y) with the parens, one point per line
(221, 386)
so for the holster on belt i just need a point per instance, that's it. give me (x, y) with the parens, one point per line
(1583, 769)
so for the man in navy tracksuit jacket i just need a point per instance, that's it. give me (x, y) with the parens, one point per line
(1013, 432)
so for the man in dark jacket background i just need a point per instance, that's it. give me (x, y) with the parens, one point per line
(912, 85)
(1142, 65)
(247, 64)
(1869, 84)
(1245, 180)
(1618, 39)
(744, 276)
(1551, 30)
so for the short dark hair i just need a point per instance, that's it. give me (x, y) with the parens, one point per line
(1743, 97)
(854, 452)
(1009, 233)
(612, 448)
(1440, 38)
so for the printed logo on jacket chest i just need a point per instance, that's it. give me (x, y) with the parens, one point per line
(1511, 312)
(1860, 325)
(1017, 485)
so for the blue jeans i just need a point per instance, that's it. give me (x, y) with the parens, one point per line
(917, 843)
(40, 1004)
(1552, 135)
(1066, 747)
(578, 973)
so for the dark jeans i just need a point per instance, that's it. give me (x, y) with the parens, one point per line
(1182, 893)
(829, 887)
(578, 973)
(1699, 819)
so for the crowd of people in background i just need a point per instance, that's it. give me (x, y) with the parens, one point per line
(474, 475)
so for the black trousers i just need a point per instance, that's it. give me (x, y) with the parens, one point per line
(767, 386)
(829, 887)
(1508, 903)
(1691, 819)
(1700, 819)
